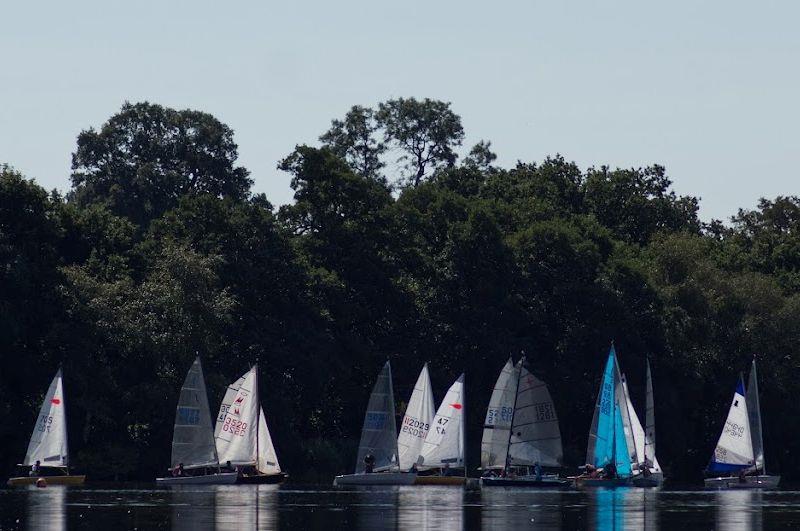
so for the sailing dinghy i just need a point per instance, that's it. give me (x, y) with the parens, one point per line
(239, 445)
(48, 443)
(194, 455)
(443, 452)
(740, 449)
(647, 472)
(416, 422)
(521, 435)
(377, 461)
(608, 458)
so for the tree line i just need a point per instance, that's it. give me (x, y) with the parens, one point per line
(394, 247)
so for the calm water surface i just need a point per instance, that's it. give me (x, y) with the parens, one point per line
(295, 508)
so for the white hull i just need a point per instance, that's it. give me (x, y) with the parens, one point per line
(376, 478)
(223, 478)
(750, 482)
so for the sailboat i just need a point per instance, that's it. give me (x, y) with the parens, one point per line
(378, 441)
(521, 432)
(740, 448)
(608, 451)
(443, 451)
(194, 455)
(251, 450)
(647, 471)
(48, 443)
(416, 421)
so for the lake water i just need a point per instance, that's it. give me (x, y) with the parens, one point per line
(296, 508)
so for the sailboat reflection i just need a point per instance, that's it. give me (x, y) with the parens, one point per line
(431, 507)
(376, 507)
(246, 507)
(193, 507)
(740, 509)
(624, 508)
(509, 508)
(46, 508)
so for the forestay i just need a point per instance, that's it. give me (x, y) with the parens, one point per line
(235, 431)
(734, 449)
(193, 436)
(754, 415)
(48, 442)
(416, 421)
(535, 434)
(379, 433)
(444, 444)
(499, 416)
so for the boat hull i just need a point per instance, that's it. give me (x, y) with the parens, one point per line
(653, 480)
(751, 482)
(223, 478)
(582, 482)
(262, 479)
(528, 482)
(51, 480)
(376, 478)
(440, 480)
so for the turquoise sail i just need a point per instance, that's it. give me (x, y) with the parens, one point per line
(621, 458)
(609, 438)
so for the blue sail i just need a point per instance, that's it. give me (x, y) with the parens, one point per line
(621, 457)
(604, 442)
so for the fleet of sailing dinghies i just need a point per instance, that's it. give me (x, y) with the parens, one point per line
(521, 436)
(47, 456)
(241, 434)
(521, 444)
(194, 453)
(738, 460)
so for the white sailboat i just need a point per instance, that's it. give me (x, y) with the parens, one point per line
(416, 421)
(238, 443)
(739, 454)
(377, 461)
(645, 467)
(521, 435)
(444, 448)
(48, 456)
(194, 458)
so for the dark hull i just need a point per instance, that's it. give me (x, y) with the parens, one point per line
(547, 483)
(262, 479)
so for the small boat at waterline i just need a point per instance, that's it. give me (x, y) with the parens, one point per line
(48, 443)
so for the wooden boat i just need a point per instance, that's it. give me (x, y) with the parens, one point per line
(193, 448)
(379, 440)
(48, 442)
(520, 432)
(738, 461)
(238, 445)
(440, 480)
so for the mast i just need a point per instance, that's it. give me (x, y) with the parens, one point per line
(757, 409)
(257, 401)
(463, 442)
(514, 412)
(64, 400)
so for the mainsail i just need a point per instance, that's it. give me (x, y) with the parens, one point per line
(535, 435)
(734, 449)
(235, 431)
(416, 422)
(193, 436)
(444, 444)
(754, 416)
(650, 426)
(607, 441)
(499, 415)
(48, 442)
(379, 434)
(637, 435)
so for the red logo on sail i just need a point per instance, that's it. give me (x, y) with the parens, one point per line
(55, 401)
(456, 406)
(240, 400)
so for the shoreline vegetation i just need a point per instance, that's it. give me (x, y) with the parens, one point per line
(394, 247)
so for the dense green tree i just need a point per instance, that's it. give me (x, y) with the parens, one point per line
(354, 139)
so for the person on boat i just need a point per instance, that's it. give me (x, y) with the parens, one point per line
(591, 470)
(369, 463)
(610, 471)
(36, 468)
(178, 471)
(742, 477)
(537, 471)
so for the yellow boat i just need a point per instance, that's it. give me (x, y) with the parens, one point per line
(440, 480)
(50, 480)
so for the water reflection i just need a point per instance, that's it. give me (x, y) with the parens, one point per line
(376, 507)
(510, 508)
(246, 507)
(740, 509)
(423, 508)
(624, 508)
(193, 508)
(46, 508)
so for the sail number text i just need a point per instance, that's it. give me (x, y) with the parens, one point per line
(415, 427)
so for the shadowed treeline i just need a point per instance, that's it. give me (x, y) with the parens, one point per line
(392, 248)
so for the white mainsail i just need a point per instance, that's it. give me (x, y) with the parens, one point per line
(416, 421)
(634, 433)
(650, 427)
(444, 444)
(237, 421)
(499, 415)
(267, 458)
(193, 436)
(754, 412)
(379, 433)
(535, 434)
(48, 443)
(734, 449)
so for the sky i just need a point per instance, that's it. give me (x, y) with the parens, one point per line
(709, 89)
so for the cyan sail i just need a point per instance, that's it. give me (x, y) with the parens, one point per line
(621, 457)
(607, 442)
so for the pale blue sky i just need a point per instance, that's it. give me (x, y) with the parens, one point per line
(709, 89)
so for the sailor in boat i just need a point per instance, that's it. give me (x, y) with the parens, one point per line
(36, 469)
(610, 471)
(369, 463)
(537, 471)
(178, 471)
